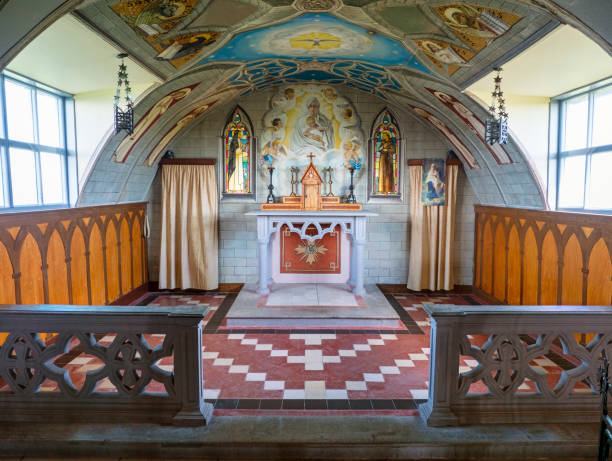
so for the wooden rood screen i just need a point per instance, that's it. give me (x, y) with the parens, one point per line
(89, 255)
(543, 257)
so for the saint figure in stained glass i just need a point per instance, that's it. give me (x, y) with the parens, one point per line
(237, 144)
(386, 165)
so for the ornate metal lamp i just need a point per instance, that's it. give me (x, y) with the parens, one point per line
(496, 129)
(124, 118)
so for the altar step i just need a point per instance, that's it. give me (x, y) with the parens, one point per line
(312, 306)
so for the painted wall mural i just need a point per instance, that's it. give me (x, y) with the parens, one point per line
(386, 156)
(463, 151)
(311, 118)
(477, 26)
(316, 37)
(150, 18)
(448, 57)
(237, 147)
(160, 147)
(474, 124)
(148, 120)
(180, 49)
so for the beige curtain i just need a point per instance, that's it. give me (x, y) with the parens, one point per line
(189, 238)
(432, 234)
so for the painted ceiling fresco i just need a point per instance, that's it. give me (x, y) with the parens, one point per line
(317, 37)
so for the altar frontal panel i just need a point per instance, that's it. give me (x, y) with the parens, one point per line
(299, 256)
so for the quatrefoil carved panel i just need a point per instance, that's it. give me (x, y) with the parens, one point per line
(21, 362)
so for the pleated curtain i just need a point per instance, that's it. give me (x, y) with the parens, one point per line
(189, 237)
(432, 233)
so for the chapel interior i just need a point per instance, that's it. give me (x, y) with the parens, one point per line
(305, 229)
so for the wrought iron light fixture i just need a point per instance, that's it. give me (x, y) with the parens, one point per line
(124, 118)
(496, 130)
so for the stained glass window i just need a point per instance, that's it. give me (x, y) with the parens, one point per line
(237, 147)
(386, 162)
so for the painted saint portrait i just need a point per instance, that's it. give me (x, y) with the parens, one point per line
(313, 129)
(237, 150)
(179, 50)
(153, 17)
(476, 25)
(386, 156)
(311, 118)
(433, 191)
(447, 57)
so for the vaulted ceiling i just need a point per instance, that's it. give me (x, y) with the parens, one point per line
(417, 55)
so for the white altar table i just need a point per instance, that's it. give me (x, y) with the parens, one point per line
(352, 223)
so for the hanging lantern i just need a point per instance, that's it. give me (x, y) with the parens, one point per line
(496, 128)
(124, 118)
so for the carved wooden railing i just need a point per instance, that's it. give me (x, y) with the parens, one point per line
(88, 255)
(515, 364)
(543, 257)
(102, 363)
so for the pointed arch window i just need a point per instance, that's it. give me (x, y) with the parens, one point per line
(385, 157)
(238, 174)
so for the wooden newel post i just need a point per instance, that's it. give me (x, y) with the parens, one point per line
(188, 374)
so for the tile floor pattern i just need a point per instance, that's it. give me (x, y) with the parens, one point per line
(306, 371)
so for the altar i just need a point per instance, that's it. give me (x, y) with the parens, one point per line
(351, 223)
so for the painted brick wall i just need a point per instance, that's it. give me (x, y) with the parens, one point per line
(388, 233)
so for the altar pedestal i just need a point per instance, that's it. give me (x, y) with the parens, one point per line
(351, 223)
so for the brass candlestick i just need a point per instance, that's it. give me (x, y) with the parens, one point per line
(327, 172)
(294, 180)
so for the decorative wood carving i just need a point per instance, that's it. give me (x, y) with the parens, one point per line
(543, 257)
(89, 255)
(525, 364)
(113, 345)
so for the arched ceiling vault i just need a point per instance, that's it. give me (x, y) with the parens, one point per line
(414, 54)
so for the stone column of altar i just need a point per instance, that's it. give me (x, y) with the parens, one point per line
(263, 240)
(357, 253)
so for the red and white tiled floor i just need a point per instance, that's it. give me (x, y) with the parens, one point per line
(307, 371)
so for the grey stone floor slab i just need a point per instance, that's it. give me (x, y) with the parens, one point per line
(301, 437)
(297, 305)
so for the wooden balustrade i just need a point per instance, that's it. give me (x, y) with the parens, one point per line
(515, 364)
(543, 257)
(102, 363)
(89, 255)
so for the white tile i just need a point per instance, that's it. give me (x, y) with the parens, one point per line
(426, 350)
(274, 385)
(263, 347)
(235, 336)
(239, 369)
(389, 370)
(420, 394)
(331, 359)
(404, 363)
(388, 337)
(279, 353)
(336, 394)
(356, 386)
(466, 369)
(255, 377)
(373, 378)
(418, 357)
(211, 393)
(223, 362)
(250, 341)
(471, 363)
(376, 342)
(314, 389)
(347, 353)
(362, 347)
(294, 394)
(545, 362)
(210, 355)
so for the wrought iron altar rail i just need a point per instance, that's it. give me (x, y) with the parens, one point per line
(515, 364)
(101, 363)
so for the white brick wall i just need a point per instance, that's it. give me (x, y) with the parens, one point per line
(388, 246)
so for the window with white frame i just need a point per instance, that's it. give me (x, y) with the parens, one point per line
(584, 160)
(33, 152)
